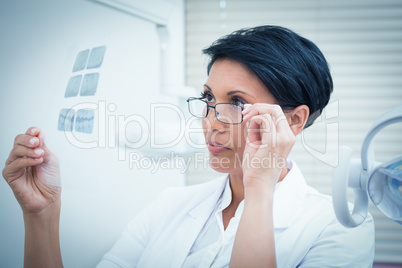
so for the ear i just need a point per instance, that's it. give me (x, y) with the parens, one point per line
(298, 118)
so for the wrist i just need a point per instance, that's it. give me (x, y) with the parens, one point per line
(42, 242)
(259, 194)
(264, 180)
(49, 214)
(260, 184)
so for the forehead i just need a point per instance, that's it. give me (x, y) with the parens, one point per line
(228, 75)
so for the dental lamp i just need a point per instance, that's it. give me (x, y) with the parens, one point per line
(382, 182)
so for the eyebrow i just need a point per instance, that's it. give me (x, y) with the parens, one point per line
(231, 92)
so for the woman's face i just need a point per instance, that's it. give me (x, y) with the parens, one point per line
(230, 82)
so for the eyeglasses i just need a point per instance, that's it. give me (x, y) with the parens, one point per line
(227, 113)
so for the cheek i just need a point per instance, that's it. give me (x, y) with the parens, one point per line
(205, 125)
(239, 138)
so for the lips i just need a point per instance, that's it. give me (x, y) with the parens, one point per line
(216, 148)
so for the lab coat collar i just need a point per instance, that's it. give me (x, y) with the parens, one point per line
(198, 215)
(216, 192)
(288, 197)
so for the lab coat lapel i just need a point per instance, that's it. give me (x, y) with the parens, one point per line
(287, 202)
(288, 197)
(196, 219)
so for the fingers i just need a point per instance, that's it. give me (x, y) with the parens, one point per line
(31, 138)
(274, 111)
(261, 128)
(22, 151)
(25, 153)
(26, 140)
(16, 168)
(26, 146)
(38, 133)
(267, 124)
(33, 131)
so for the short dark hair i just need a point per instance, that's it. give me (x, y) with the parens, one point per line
(293, 68)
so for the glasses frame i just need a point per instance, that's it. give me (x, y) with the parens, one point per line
(210, 106)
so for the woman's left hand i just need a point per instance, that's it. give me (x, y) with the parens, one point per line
(269, 142)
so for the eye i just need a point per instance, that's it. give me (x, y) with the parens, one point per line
(238, 101)
(207, 96)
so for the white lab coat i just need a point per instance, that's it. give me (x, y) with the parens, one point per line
(307, 233)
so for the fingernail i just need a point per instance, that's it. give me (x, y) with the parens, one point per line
(38, 159)
(38, 151)
(33, 130)
(33, 140)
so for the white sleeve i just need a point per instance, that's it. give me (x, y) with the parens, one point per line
(338, 246)
(128, 249)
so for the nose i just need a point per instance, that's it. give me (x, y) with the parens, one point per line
(211, 122)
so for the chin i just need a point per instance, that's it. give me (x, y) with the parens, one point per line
(223, 163)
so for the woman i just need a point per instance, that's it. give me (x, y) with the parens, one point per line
(265, 85)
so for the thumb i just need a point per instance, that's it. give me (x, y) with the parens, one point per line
(41, 138)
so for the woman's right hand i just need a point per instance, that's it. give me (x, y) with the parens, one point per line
(33, 173)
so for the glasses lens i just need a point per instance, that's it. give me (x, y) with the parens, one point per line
(197, 107)
(229, 113)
